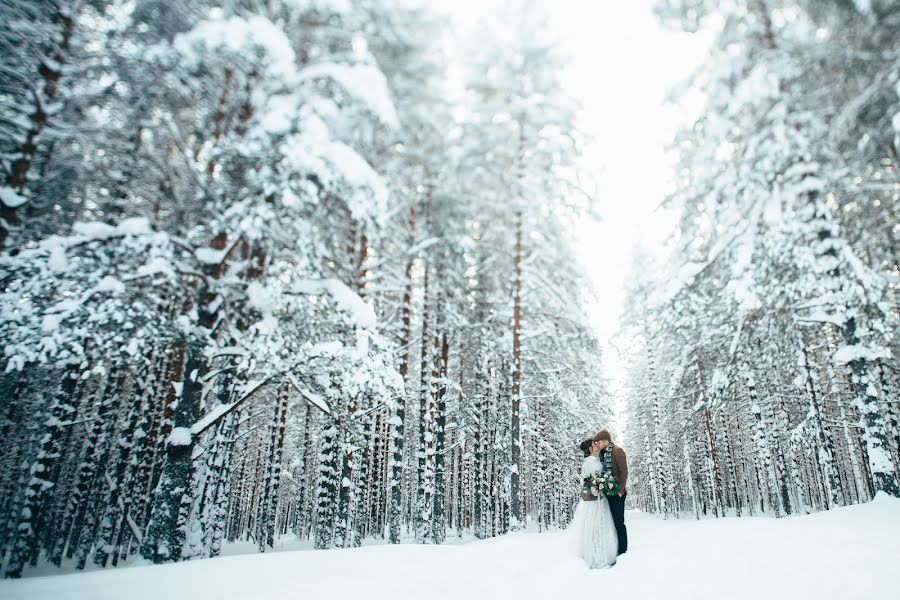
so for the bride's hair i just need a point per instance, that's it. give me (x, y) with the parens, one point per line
(586, 446)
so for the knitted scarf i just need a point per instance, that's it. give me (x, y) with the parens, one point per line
(607, 458)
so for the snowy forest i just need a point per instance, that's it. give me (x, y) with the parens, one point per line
(281, 267)
(763, 370)
(308, 268)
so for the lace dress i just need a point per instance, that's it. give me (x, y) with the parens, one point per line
(593, 526)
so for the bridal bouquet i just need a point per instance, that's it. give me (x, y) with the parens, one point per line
(600, 484)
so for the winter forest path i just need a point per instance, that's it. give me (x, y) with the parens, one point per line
(850, 553)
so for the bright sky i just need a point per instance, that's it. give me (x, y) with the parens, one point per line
(622, 66)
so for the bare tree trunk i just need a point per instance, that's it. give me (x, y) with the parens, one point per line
(423, 508)
(274, 468)
(517, 520)
(398, 422)
(824, 450)
(166, 529)
(438, 525)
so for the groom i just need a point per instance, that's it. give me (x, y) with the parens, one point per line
(613, 458)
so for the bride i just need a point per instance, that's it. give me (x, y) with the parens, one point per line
(593, 525)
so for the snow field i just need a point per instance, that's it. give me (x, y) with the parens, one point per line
(848, 553)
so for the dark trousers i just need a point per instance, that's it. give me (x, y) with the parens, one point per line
(617, 508)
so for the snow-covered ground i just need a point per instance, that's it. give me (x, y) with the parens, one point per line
(848, 553)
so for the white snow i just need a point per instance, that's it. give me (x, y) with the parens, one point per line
(846, 354)
(50, 323)
(360, 311)
(331, 348)
(57, 260)
(109, 284)
(134, 226)
(336, 163)
(338, 7)
(180, 436)
(364, 82)
(863, 6)
(96, 230)
(10, 198)
(243, 37)
(848, 553)
(760, 85)
(261, 297)
(355, 170)
(264, 299)
(93, 230)
(820, 316)
(210, 256)
(156, 266)
(879, 460)
(210, 417)
(280, 113)
(681, 279)
(312, 397)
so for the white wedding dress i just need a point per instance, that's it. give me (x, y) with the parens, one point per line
(593, 529)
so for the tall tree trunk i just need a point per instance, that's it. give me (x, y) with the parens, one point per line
(517, 521)
(347, 490)
(327, 488)
(423, 483)
(765, 470)
(398, 425)
(825, 452)
(274, 468)
(166, 529)
(439, 443)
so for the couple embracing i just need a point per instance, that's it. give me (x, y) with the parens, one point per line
(600, 517)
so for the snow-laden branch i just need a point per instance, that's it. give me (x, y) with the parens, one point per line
(360, 311)
(313, 398)
(366, 83)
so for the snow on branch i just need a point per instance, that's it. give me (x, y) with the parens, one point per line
(362, 313)
(314, 399)
(45, 307)
(850, 353)
(10, 198)
(824, 317)
(335, 163)
(213, 416)
(255, 36)
(366, 83)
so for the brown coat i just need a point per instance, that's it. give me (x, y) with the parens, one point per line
(619, 466)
